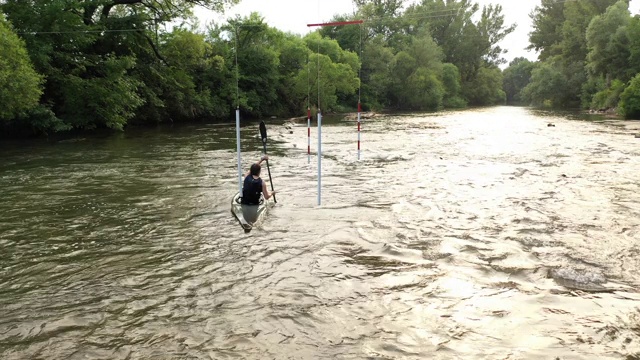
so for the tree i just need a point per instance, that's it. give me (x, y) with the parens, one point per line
(20, 85)
(294, 55)
(329, 75)
(516, 77)
(381, 15)
(452, 88)
(560, 35)
(493, 30)
(334, 79)
(465, 43)
(633, 36)
(608, 44)
(548, 86)
(349, 37)
(98, 56)
(548, 19)
(630, 99)
(486, 87)
(258, 65)
(376, 73)
(578, 16)
(416, 74)
(187, 91)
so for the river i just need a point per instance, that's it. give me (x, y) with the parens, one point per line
(481, 234)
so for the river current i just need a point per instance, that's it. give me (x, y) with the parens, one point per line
(481, 234)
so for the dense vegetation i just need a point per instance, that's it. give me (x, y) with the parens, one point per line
(109, 63)
(589, 57)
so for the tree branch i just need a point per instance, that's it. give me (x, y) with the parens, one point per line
(107, 7)
(89, 11)
(154, 48)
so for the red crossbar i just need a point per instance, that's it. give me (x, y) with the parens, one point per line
(337, 23)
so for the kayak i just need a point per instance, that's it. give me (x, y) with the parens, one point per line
(248, 215)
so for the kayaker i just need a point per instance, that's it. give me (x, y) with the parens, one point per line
(254, 186)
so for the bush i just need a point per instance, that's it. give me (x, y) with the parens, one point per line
(629, 105)
(608, 98)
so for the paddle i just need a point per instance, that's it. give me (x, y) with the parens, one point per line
(263, 135)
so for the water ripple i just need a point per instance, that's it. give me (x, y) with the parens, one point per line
(471, 234)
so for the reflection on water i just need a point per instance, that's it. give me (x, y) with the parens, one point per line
(475, 234)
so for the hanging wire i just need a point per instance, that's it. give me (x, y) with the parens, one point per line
(77, 31)
(360, 69)
(308, 82)
(318, 54)
(237, 72)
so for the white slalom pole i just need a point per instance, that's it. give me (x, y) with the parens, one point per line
(359, 109)
(308, 136)
(319, 158)
(239, 157)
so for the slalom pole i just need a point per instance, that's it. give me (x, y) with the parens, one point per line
(335, 23)
(308, 136)
(238, 149)
(359, 110)
(360, 91)
(238, 114)
(308, 110)
(319, 157)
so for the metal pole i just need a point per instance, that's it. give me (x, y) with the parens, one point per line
(308, 136)
(359, 129)
(239, 157)
(319, 158)
(238, 114)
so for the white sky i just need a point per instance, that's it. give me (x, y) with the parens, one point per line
(294, 15)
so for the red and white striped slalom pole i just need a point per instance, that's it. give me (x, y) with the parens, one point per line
(308, 136)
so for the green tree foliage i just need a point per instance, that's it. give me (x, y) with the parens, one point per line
(578, 16)
(608, 43)
(466, 36)
(579, 43)
(486, 87)
(630, 100)
(20, 85)
(294, 55)
(466, 43)
(110, 63)
(573, 59)
(416, 76)
(101, 58)
(452, 88)
(376, 73)
(516, 77)
(548, 86)
(258, 64)
(609, 97)
(382, 17)
(107, 99)
(546, 36)
(187, 94)
(349, 37)
(633, 36)
(607, 61)
(330, 73)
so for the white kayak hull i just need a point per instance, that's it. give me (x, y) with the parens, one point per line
(248, 216)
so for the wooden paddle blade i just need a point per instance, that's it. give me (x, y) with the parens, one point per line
(263, 131)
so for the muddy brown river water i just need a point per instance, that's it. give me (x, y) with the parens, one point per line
(481, 234)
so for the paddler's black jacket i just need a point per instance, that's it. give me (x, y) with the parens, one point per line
(251, 191)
